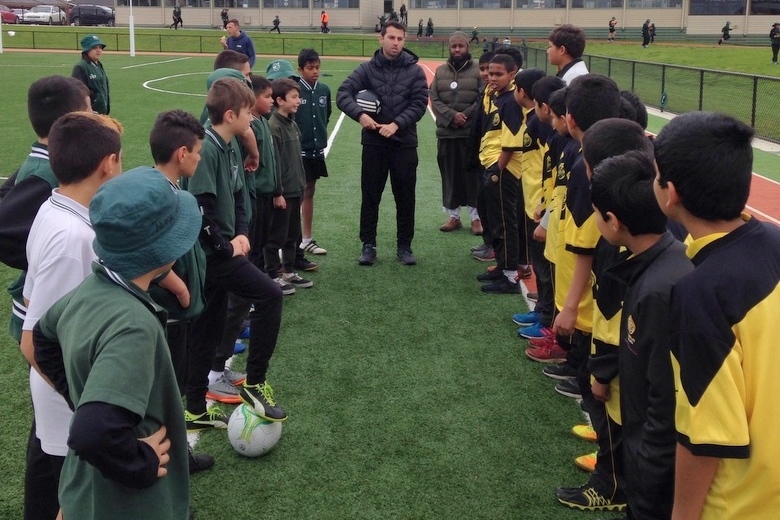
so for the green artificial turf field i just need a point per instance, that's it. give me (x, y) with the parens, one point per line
(408, 392)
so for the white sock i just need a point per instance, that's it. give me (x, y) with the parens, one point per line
(473, 213)
(510, 275)
(305, 240)
(453, 213)
(213, 376)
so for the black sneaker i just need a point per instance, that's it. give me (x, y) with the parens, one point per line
(200, 462)
(211, 418)
(261, 399)
(587, 498)
(501, 286)
(406, 257)
(368, 256)
(492, 275)
(561, 372)
(569, 388)
(303, 264)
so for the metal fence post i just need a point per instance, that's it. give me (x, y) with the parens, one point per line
(755, 101)
(701, 89)
(633, 76)
(609, 67)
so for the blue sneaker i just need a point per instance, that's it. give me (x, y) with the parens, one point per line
(239, 347)
(244, 333)
(527, 319)
(535, 331)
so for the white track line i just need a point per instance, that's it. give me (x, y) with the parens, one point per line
(155, 63)
(430, 110)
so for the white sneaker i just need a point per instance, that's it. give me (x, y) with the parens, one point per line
(313, 248)
(287, 289)
(296, 281)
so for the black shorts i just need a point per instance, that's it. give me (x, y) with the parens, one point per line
(314, 168)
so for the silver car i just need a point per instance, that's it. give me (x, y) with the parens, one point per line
(45, 14)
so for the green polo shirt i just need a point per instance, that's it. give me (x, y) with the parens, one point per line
(114, 351)
(219, 173)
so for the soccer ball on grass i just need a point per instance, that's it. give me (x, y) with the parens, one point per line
(251, 435)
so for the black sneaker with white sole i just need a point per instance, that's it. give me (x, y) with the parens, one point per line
(569, 388)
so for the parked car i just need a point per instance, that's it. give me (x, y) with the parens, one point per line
(45, 14)
(8, 15)
(92, 15)
(19, 13)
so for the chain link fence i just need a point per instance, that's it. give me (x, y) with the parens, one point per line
(752, 99)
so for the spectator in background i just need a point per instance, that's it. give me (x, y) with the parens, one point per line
(239, 41)
(177, 21)
(612, 26)
(652, 32)
(225, 18)
(429, 28)
(774, 37)
(420, 28)
(324, 19)
(277, 21)
(404, 15)
(646, 34)
(726, 33)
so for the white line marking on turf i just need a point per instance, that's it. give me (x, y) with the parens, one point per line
(430, 110)
(332, 135)
(155, 63)
(147, 84)
(751, 209)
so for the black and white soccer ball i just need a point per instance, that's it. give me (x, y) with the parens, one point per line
(368, 101)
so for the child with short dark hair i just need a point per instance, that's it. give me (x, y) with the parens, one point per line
(128, 444)
(483, 251)
(230, 59)
(724, 319)
(533, 141)
(89, 70)
(502, 182)
(285, 223)
(86, 152)
(312, 119)
(627, 215)
(218, 187)
(566, 45)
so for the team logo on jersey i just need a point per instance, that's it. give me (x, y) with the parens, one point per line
(561, 172)
(527, 141)
(496, 120)
(547, 163)
(631, 329)
(323, 101)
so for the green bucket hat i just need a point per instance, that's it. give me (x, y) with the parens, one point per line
(141, 223)
(280, 69)
(90, 41)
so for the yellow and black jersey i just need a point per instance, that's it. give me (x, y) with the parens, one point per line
(561, 158)
(490, 145)
(608, 292)
(580, 236)
(533, 161)
(724, 354)
(513, 126)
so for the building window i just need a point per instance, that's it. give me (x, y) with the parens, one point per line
(765, 7)
(596, 4)
(487, 4)
(718, 7)
(540, 4)
(286, 4)
(654, 4)
(433, 4)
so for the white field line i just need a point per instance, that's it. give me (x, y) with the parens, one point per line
(147, 84)
(155, 63)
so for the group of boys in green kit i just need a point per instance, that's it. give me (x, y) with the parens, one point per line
(658, 337)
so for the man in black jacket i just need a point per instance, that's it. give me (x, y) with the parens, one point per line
(387, 95)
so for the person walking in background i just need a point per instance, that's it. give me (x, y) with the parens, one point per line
(774, 37)
(387, 95)
(277, 21)
(324, 19)
(646, 34)
(455, 97)
(652, 32)
(177, 21)
(429, 28)
(225, 18)
(726, 33)
(612, 26)
(404, 14)
(474, 35)
(420, 28)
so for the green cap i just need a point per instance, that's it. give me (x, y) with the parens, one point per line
(90, 41)
(280, 69)
(142, 223)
